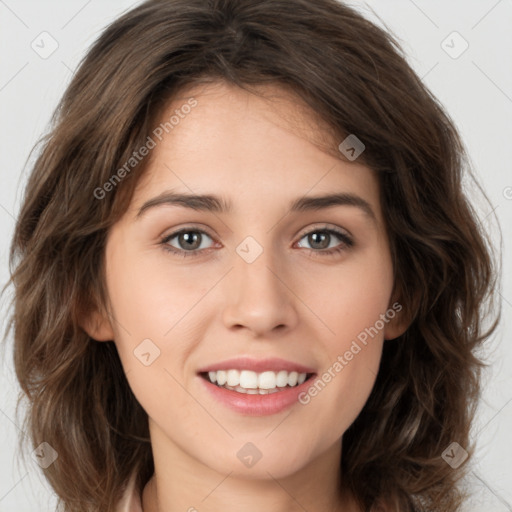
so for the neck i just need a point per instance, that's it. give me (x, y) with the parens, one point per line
(188, 485)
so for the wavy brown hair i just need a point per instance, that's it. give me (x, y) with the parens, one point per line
(355, 77)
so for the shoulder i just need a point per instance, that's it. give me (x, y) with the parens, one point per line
(131, 500)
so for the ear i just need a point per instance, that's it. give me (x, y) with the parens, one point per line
(400, 318)
(396, 325)
(97, 326)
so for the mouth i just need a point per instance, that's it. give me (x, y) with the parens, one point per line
(256, 383)
(256, 387)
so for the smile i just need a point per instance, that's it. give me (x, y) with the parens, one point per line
(253, 383)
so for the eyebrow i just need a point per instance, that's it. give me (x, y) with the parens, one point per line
(211, 203)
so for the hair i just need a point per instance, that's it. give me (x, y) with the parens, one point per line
(355, 77)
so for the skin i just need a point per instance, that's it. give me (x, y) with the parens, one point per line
(292, 302)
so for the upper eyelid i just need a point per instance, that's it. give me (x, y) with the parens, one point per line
(303, 232)
(185, 229)
(324, 227)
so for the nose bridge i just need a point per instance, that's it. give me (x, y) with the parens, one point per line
(257, 298)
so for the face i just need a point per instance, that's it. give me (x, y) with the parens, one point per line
(261, 283)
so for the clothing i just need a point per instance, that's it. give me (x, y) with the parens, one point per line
(131, 500)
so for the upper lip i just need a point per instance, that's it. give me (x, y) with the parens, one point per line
(257, 365)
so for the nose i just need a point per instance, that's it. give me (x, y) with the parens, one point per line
(259, 297)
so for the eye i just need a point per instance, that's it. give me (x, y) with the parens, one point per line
(186, 242)
(324, 241)
(192, 241)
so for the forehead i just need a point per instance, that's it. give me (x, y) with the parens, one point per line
(233, 142)
(273, 102)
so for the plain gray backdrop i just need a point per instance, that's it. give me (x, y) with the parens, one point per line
(463, 52)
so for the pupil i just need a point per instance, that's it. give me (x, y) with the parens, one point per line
(319, 238)
(191, 238)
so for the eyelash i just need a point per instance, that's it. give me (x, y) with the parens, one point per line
(346, 242)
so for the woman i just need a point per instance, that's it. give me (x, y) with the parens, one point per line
(246, 273)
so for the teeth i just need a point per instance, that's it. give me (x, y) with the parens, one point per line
(282, 379)
(267, 380)
(233, 378)
(246, 381)
(253, 391)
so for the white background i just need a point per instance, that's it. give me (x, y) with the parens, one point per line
(475, 88)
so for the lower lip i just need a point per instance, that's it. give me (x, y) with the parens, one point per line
(257, 405)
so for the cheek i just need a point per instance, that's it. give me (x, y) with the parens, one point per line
(150, 295)
(352, 297)
(358, 295)
(158, 318)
